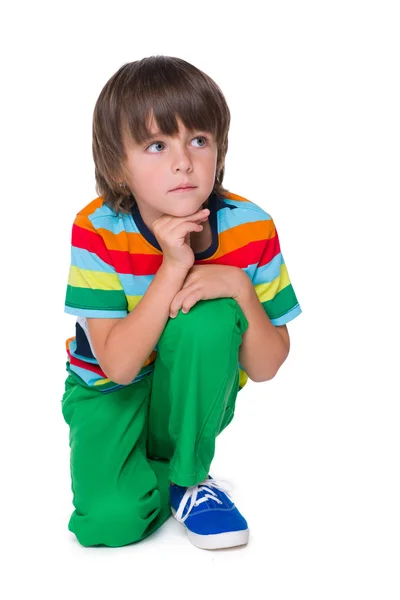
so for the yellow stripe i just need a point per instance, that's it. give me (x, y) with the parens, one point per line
(243, 377)
(267, 291)
(133, 301)
(93, 279)
(101, 381)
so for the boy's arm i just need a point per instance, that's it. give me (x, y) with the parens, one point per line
(265, 346)
(122, 346)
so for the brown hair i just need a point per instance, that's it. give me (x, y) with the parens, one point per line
(165, 87)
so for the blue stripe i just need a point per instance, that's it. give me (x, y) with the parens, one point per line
(270, 271)
(250, 270)
(293, 312)
(102, 211)
(135, 285)
(140, 377)
(83, 259)
(96, 314)
(110, 389)
(104, 218)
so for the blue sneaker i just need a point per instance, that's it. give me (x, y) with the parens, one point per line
(211, 518)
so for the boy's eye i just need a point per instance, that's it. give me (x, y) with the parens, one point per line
(201, 137)
(154, 144)
(158, 144)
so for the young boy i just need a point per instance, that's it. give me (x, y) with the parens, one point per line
(181, 294)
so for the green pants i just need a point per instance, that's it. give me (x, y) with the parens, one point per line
(127, 445)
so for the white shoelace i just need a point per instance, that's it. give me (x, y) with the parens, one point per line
(192, 493)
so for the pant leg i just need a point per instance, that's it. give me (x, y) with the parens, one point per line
(195, 383)
(119, 496)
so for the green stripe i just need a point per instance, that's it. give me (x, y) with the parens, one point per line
(281, 303)
(88, 299)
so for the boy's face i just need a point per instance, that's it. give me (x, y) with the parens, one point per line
(163, 163)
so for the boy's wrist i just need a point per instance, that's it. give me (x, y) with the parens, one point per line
(173, 272)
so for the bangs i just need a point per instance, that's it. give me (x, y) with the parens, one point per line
(166, 94)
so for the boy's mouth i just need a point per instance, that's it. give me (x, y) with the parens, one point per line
(183, 188)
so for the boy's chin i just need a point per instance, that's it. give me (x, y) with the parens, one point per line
(184, 212)
(186, 207)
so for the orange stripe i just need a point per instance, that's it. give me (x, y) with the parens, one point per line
(126, 242)
(91, 207)
(81, 218)
(236, 237)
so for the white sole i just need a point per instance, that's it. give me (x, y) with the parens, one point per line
(217, 540)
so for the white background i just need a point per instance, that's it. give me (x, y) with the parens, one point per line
(313, 455)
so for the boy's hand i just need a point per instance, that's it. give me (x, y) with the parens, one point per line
(173, 235)
(205, 282)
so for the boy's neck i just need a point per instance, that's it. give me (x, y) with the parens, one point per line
(200, 241)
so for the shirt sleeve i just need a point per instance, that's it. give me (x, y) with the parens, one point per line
(94, 288)
(272, 282)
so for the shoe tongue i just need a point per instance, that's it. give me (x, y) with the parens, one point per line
(210, 501)
(205, 489)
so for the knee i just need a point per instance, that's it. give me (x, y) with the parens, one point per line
(113, 522)
(208, 319)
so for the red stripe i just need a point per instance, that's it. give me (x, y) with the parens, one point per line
(136, 264)
(88, 240)
(271, 249)
(87, 366)
(249, 254)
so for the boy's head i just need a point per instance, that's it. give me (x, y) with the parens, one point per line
(187, 108)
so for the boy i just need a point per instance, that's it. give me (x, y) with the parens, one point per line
(181, 294)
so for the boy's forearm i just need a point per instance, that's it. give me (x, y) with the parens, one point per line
(263, 349)
(134, 337)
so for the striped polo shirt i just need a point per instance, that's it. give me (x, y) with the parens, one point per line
(114, 258)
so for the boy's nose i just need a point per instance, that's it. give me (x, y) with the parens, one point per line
(181, 160)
